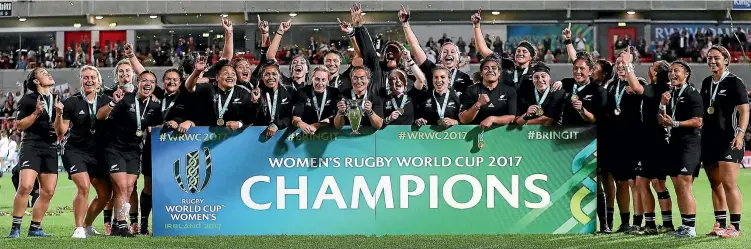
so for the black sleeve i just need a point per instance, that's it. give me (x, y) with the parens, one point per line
(697, 105)
(255, 76)
(378, 106)
(649, 92)
(512, 101)
(467, 99)
(738, 95)
(463, 87)
(456, 113)
(68, 109)
(367, 48)
(599, 104)
(26, 106)
(157, 118)
(557, 108)
(427, 68)
(286, 116)
(299, 106)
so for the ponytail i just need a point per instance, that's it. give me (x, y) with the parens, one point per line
(28, 83)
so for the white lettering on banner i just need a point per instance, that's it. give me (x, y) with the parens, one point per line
(329, 190)
(6, 6)
(191, 210)
(663, 32)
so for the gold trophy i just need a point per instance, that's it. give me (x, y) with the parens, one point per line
(354, 113)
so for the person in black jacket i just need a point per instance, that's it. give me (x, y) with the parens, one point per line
(277, 101)
(316, 103)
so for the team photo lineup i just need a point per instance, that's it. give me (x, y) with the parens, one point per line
(655, 135)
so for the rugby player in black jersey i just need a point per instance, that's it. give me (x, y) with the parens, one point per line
(76, 120)
(38, 155)
(491, 102)
(130, 115)
(316, 103)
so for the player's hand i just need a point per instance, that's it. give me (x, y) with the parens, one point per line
(40, 105)
(263, 26)
(566, 33)
(226, 24)
(128, 50)
(117, 96)
(368, 106)
(665, 98)
(421, 122)
(577, 104)
(448, 122)
(271, 130)
(200, 64)
(627, 57)
(345, 27)
(487, 123)
(171, 124)
(305, 128)
(557, 86)
(406, 56)
(255, 95)
(476, 17)
(532, 110)
(356, 14)
(737, 143)
(394, 115)
(483, 99)
(184, 126)
(341, 106)
(58, 107)
(284, 26)
(403, 14)
(233, 125)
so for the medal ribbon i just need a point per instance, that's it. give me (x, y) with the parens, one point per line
(319, 109)
(165, 108)
(139, 115)
(404, 102)
(223, 109)
(92, 107)
(441, 108)
(619, 95)
(453, 77)
(272, 107)
(714, 93)
(541, 100)
(674, 101)
(47, 106)
(364, 98)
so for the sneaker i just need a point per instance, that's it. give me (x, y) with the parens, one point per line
(79, 233)
(650, 231)
(622, 229)
(685, 232)
(107, 229)
(663, 229)
(122, 232)
(730, 232)
(15, 233)
(716, 230)
(605, 230)
(134, 228)
(634, 230)
(39, 233)
(90, 231)
(144, 231)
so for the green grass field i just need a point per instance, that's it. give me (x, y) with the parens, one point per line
(62, 227)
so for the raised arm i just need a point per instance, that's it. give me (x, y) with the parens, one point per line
(192, 80)
(569, 44)
(134, 62)
(61, 123)
(274, 47)
(482, 48)
(229, 47)
(419, 75)
(633, 81)
(104, 112)
(420, 56)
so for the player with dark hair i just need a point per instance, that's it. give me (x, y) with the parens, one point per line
(585, 102)
(725, 121)
(491, 102)
(316, 103)
(130, 115)
(39, 151)
(277, 101)
(681, 112)
(371, 105)
(540, 105)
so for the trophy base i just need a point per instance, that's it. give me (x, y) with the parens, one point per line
(354, 132)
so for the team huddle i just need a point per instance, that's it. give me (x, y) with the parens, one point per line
(102, 135)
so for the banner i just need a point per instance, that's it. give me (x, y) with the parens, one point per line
(741, 4)
(399, 180)
(663, 31)
(536, 34)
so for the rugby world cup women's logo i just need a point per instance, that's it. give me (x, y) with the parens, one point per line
(192, 172)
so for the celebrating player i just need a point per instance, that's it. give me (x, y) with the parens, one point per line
(490, 103)
(276, 101)
(38, 156)
(540, 105)
(683, 117)
(371, 104)
(233, 105)
(316, 103)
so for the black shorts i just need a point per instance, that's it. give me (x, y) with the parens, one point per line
(685, 155)
(618, 162)
(717, 148)
(38, 157)
(122, 161)
(83, 162)
(146, 157)
(655, 159)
